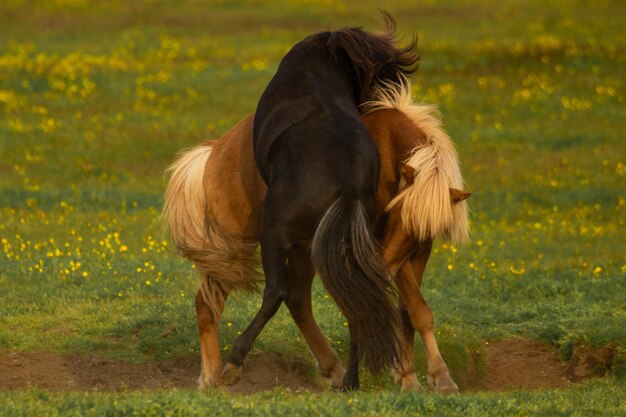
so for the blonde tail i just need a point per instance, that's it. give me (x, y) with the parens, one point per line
(223, 261)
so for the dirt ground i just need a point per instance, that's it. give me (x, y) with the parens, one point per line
(508, 365)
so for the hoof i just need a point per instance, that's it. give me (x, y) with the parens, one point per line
(336, 377)
(336, 383)
(219, 387)
(448, 389)
(202, 384)
(231, 374)
(410, 383)
(444, 385)
(348, 388)
(208, 383)
(396, 375)
(335, 373)
(349, 385)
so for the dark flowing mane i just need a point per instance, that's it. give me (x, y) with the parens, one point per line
(375, 59)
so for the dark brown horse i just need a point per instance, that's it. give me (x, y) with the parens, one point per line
(213, 205)
(321, 168)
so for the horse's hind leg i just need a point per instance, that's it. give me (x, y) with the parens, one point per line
(274, 253)
(301, 273)
(209, 344)
(351, 379)
(422, 319)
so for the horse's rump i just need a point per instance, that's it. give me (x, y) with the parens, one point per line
(224, 261)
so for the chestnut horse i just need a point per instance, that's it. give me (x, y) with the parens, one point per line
(212, 210)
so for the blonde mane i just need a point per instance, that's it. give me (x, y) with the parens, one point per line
(427, 207)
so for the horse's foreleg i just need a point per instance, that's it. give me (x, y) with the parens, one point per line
(273, 255)
(397, 247)
(209, 345)
(301, 273)
(422, 319)
(404, 371)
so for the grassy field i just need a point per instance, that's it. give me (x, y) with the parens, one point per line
(96, 99)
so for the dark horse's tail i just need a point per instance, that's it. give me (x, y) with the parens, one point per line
(375, 59)
(351, 268)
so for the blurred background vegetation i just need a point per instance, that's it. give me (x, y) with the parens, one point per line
(97, 97)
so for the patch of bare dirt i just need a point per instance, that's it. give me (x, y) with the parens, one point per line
(508, 364)
(77, 372)
(521, 364)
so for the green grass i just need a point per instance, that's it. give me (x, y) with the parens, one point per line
(97, 99)
(598, 399)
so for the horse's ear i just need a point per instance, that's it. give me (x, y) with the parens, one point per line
(407, 172)
(458, 195)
